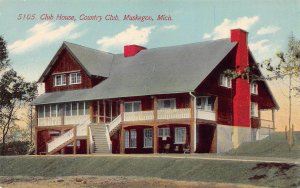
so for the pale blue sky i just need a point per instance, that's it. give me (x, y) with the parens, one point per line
(33, 43)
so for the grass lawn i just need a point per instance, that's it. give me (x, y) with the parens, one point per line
(249, 173)
(273, 146)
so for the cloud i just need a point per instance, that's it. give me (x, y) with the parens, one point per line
(131, 35)
(268, 30)
(42, 34)
(170, 27)
(223, 30)
(261, 49)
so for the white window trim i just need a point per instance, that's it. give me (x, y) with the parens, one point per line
(184, 136)
(62, 76)
(255, 113)
(222, 76)
(126, 139)
(164, 132)
(148, 129)
(254, 88)
(70, 78)
(132, 106)
(206, 103)
(169, 99)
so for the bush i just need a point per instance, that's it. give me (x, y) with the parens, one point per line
(17, 148)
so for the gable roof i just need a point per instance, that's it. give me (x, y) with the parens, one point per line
(165, 70)
(94, 62)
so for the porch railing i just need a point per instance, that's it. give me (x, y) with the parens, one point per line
(139, 116)
(174, 113)
(207, 115)
(68, 120)
(48, 121)
(58, 141)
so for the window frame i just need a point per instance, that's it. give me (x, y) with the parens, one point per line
(176, 141)
(132, 140)
(63, 80)
(165, 132)
(76, 78)
(132, 106)
(164, 108)
(211, 109)
(224, 80)
(254, 88)
(145, 137)
(254, 110)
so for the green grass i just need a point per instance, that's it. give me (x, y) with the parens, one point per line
(273, 146)
(166, 168)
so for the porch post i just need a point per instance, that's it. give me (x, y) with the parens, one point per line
(63, 149)
(155, 139)
(155, 127)
(88, 140)
(122, 149)
(273, 118)
(122, 110)
(111, 111)
(91, 111)
(192, 125)
(74, 140)
(35, 140)
(104, 111)
(98, 112)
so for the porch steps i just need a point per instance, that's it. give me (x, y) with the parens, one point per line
(99, 137)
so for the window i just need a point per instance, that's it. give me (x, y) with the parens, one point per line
(130, 138)
(41, 111)
(81, 108)
(60, 80)
(166, 104)
(132, 141)
(47, 110)
(75, 78)
(253, 88)
(225, 81)
(179, 135)
(205, 103)
(254, 109)
(74, 109)
(132, 106)
(147, 138)
(163, 132)
(53, 110)
(68, 109)
(126, 137)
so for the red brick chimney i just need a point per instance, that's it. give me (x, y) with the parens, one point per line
(132, 50)
(241, 87)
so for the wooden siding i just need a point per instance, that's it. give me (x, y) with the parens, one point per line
(66, 63)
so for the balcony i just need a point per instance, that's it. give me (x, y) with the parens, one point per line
(139, 116)
(182, 113)
(66, 120)
(206, 115)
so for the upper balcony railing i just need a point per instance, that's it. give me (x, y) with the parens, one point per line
(66, 120)
(181, 113)
(139, 116)
(206, 115)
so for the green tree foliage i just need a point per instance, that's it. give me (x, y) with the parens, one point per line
(15, 93)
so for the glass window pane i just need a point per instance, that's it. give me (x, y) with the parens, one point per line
(47, 110)
(68, 109)
(81, 108)
(167, 104)
(128, 107)
(136, 106)
(53, 110)
(126, 137)
(132, 138)
(41, 111)
(74, 109)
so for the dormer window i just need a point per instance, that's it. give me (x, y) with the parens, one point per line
(253, 88)
(75, 78)
(60, 80)
(225, 81)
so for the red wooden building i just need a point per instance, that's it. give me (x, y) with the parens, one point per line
(170, 99)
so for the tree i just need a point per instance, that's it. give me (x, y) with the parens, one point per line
(15, 92)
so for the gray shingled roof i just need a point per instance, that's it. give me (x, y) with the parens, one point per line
(94, 62)
(166, 70)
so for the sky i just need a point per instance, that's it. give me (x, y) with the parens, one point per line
(33, 40)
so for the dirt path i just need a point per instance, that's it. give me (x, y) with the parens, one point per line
(106, 182)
